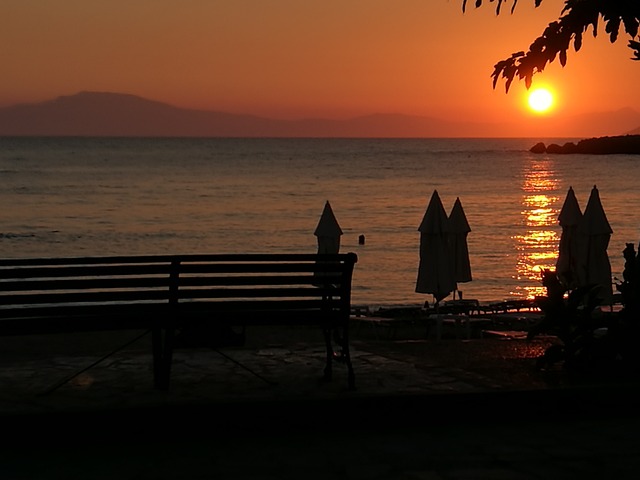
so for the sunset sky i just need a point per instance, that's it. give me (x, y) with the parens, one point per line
(293, 59)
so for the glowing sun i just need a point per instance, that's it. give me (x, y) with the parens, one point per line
(540, 100)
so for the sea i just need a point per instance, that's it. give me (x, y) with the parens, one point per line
(65, 196)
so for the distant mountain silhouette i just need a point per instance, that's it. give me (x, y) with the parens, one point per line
(116, 114)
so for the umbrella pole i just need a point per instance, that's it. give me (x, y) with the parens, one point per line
(436, 306)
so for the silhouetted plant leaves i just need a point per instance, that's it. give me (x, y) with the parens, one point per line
(576, 18)
(577, 42)
(631, 26)
(591, 343)
(563, 57)
(498, 4)
(634, 46)
(612, 27)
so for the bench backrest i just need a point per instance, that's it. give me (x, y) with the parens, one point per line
(127, 291)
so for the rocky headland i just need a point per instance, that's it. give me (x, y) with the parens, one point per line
(624, 144)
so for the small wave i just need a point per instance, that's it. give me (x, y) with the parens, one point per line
(17, 235)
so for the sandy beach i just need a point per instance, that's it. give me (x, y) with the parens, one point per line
(84, 366)
(423, 408)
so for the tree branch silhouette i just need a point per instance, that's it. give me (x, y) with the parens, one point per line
(577, 16)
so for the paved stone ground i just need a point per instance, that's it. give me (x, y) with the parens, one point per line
(422, 409)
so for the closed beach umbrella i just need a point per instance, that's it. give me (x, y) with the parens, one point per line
(594, 233)
(435, 273)
(567, 263)
(328, 233)
(458, 231)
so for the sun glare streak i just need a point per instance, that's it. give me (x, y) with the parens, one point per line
(541, 201)
(540, 216)
(537, 246)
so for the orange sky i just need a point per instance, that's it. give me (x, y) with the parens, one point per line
(295, 59)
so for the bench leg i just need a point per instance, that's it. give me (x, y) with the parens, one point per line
(162, 344)
(328, 368)
(342, 339)
(346, 352)
(343, 356)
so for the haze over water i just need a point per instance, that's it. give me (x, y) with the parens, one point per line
(83, 196)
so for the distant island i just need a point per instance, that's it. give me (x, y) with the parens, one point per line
(622, 144)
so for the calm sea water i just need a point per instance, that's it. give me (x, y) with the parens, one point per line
(83, 196)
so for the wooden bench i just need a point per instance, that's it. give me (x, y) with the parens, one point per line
(167, 295)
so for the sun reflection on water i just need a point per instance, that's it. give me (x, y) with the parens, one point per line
(537, 246)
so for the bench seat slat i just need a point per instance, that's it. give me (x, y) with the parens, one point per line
(151, 308)
(186, 268)
(186, 281)
(252, 306)
(143, 282)
(82, 297)
(184, 258)
(265, 292)
(136, 295)
(88, 271)
(84, 284)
